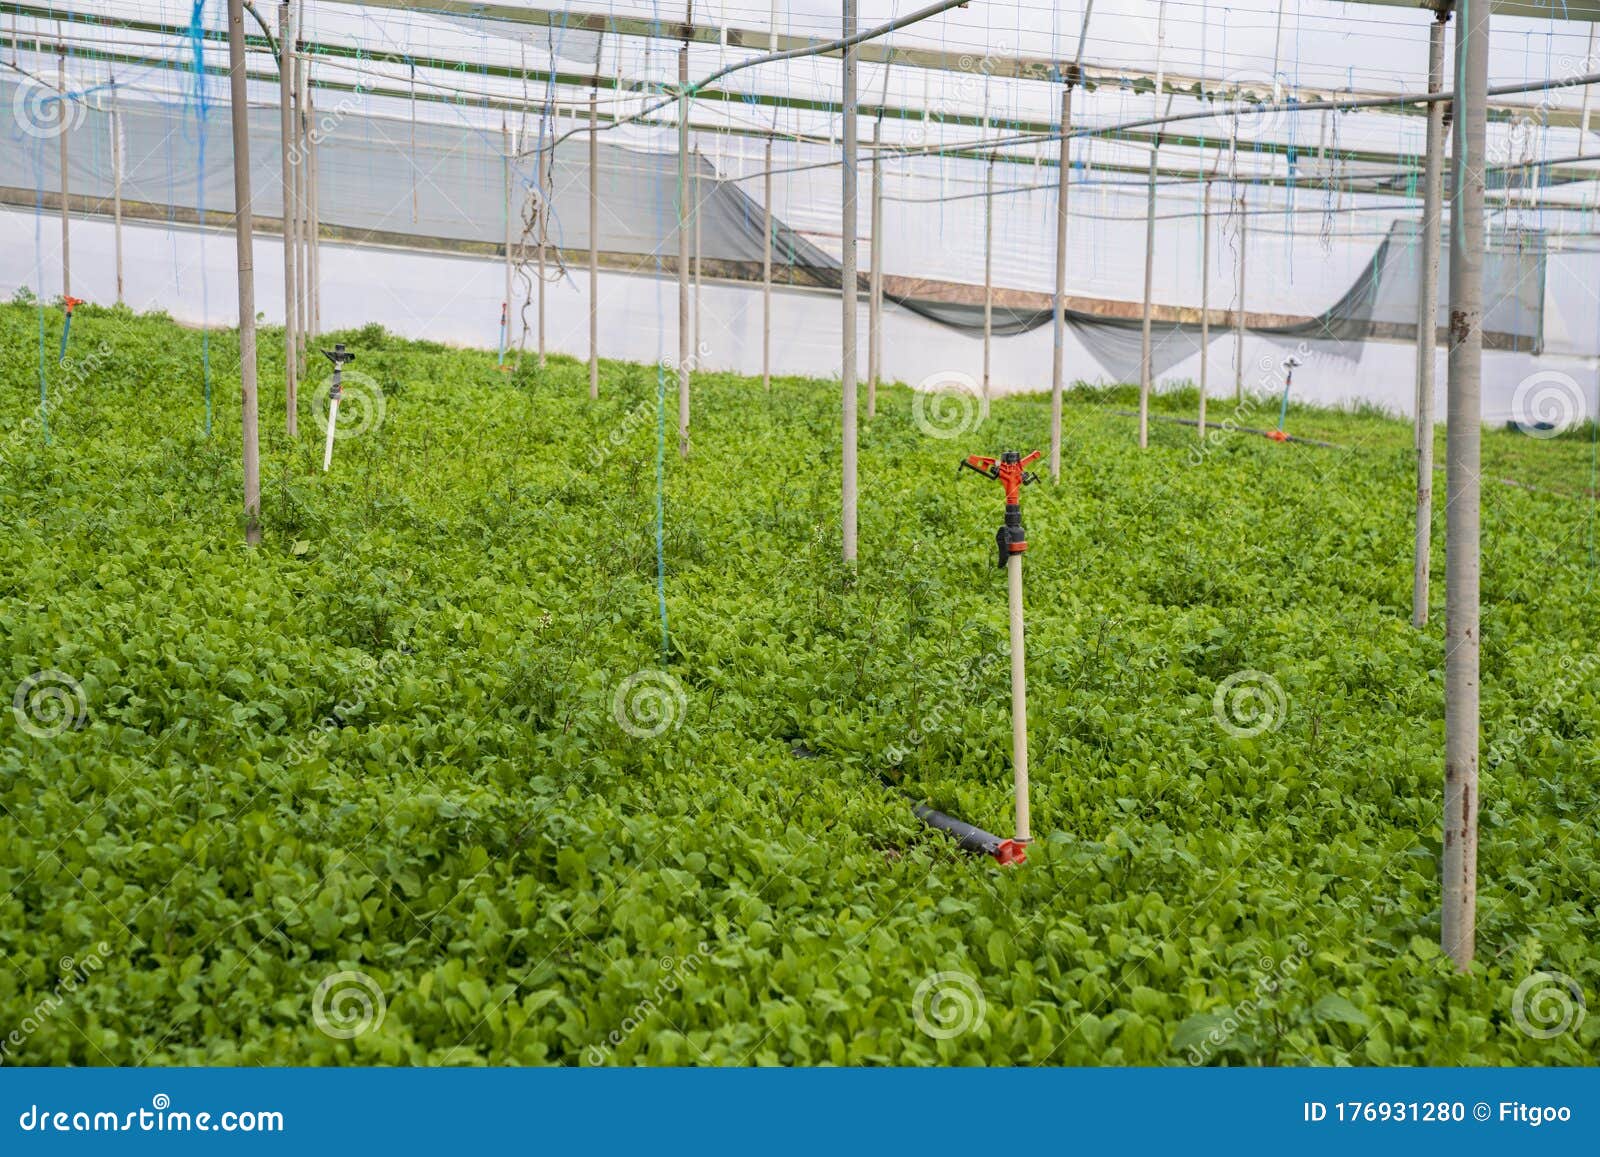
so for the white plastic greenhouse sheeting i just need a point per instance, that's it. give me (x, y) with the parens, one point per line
(457, 300)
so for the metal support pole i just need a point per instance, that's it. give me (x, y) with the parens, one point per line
(699, 195)
(766, 273)
(1583, 109)
(247, 285)
(875, 280)
(1149, 279)
(1427, 323)
(1238, 316)
(988, 279)
(546, 177)
(1019, 701)
(1464, 430)
(291, 379)
(118, 159)
(683, 249)
(1428, 320)
(594, 246)
(508, 164)
(302, 219)
(1059, 321)
(847, 367)
(1205, 300)
(66, 180)
(314, 236)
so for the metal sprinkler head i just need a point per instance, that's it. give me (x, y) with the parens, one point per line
(338, 355)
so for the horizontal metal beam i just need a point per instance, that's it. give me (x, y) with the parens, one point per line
(1580, 11)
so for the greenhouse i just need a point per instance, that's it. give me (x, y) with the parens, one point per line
(504, 562)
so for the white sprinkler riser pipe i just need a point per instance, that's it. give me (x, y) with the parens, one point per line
(333, 422)
(1019, 700)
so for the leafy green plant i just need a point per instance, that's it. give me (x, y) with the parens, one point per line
(388, 743)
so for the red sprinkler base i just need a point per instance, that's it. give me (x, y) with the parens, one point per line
(971, 839)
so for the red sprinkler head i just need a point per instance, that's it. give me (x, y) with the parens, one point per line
(70, 302)
(1011, 471)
